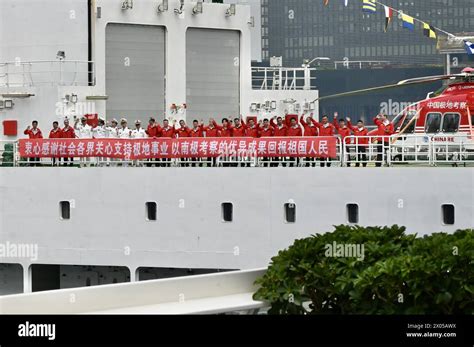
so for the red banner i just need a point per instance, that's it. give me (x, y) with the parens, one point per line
(133, 149)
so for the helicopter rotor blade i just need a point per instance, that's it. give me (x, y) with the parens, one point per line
(401, 84)
(430, 78)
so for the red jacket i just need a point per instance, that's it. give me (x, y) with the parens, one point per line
(169, 133)
(240, 131)
(309, 129)
(211, 132)
(153, 131)
(224, 132)
(183, 132)
(279, 132)
(55, 134)
(384, 130)
(345, 132)
(34, 135)
(295, 131)
(324, 131)
(364, 141)
(262, 132)
(68, 133)
(252, 132)
(196, 132)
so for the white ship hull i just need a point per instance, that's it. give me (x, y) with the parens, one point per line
(108, 225)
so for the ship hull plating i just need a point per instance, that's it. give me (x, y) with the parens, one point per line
(108, 225)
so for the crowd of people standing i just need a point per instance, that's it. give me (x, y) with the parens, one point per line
(274, 127)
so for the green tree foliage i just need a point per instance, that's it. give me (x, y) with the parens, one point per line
(7, 155)
(399, 274)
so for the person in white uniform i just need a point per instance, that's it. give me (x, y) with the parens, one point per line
(100, 132)
(124, 132)
(138, 132)
(112, 129)
(83, 131)
(112, 133)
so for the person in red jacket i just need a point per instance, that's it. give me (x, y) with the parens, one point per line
(345, 133)
(325, 129)
(183, 130)
(385, 129)
(68, 133)
(310, 129)
(265, 129)
(294, 131)
(197, 130)
(343, 130)
(153, 130)
(240, 128)
(34, 133)
(55, 133)
(280, 129)
(226, 129)
(252, 129)
(167, 131)
(211, 130)
(361, 141)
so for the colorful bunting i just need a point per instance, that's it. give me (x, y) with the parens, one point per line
(388, 16)
(429, 31)
(408, 22)
(369, 6)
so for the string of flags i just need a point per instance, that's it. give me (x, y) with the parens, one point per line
(469, 47)
(408, 22)
(388, 17)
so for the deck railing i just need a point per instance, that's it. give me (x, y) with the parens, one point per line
(370, 151)
(47, 72)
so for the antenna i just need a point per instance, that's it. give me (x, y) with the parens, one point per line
(180, 9)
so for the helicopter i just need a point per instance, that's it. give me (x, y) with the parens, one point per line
(446, 117)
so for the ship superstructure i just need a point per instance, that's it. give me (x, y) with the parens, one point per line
(71, 227)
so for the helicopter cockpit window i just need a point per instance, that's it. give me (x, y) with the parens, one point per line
(451, 122)
(396, 121)
(433, 123)
(408, 121)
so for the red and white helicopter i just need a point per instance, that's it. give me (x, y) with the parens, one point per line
(445, 117)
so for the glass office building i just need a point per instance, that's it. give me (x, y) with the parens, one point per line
(304, 29)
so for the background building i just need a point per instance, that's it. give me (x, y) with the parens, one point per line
(303, 29)
(255, 25)
(362, 54)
